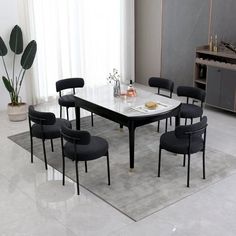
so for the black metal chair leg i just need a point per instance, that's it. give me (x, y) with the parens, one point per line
(63, 161)
(188, 173)
(77, 176)
(170, 121)
(108, 169)
(67, 113)
(60, 111)
(31, 148)
(63, 169)
(203, 164)
(185, 121)
(44, 153)
(92, 119)
(191, 121)
(166, 124)
(158, 126)
(159, 163)
(86, 167)
(184, 159)
(52, 145)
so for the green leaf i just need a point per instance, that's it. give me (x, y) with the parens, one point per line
(3, 48)
(28, 56)
(16, 40)
(7, 84)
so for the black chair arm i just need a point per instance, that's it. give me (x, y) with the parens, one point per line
(201, 131)
(196, 129)
(76, 136)
(41, 118)
(69, 83)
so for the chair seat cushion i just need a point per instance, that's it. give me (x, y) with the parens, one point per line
(97, 147)
(50, 131)
(171, 143)
(190, 111)
(67, 100)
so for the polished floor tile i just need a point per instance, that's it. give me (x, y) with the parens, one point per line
(34, 202)
(21, 216)
(211, 211)
(29, 192)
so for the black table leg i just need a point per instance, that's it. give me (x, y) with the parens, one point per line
(131, 144)
(77, 117)
(177, 116)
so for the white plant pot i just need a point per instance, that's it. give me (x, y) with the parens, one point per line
(17, 113)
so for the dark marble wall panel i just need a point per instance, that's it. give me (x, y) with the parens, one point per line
(185, 26)
(224, 19)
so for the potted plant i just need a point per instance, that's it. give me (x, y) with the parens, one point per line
(17, 110)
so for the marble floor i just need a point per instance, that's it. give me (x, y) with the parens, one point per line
(33, 201)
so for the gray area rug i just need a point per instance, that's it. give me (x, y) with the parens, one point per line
(140, 193)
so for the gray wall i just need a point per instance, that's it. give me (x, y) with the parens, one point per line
(148, 39)
(185, 26)
(224, 19)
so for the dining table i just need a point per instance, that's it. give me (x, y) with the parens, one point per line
(129, 111)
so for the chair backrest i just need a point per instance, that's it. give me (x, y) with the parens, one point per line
(41, 118)
(161, 83)
(191, 92)
(70, 83)
(75, 136)
(197, 129)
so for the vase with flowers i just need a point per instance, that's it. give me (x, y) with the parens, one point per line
(114, 78)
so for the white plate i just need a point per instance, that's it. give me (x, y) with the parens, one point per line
(144, 109)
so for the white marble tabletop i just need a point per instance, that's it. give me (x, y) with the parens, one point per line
(128, 106)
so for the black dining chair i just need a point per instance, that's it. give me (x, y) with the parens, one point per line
(68, 100)
(185, 140)
(81, 146)
(44, 125)
(190, 110)
(162, 84)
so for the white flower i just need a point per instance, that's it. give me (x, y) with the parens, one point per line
(113, 76)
